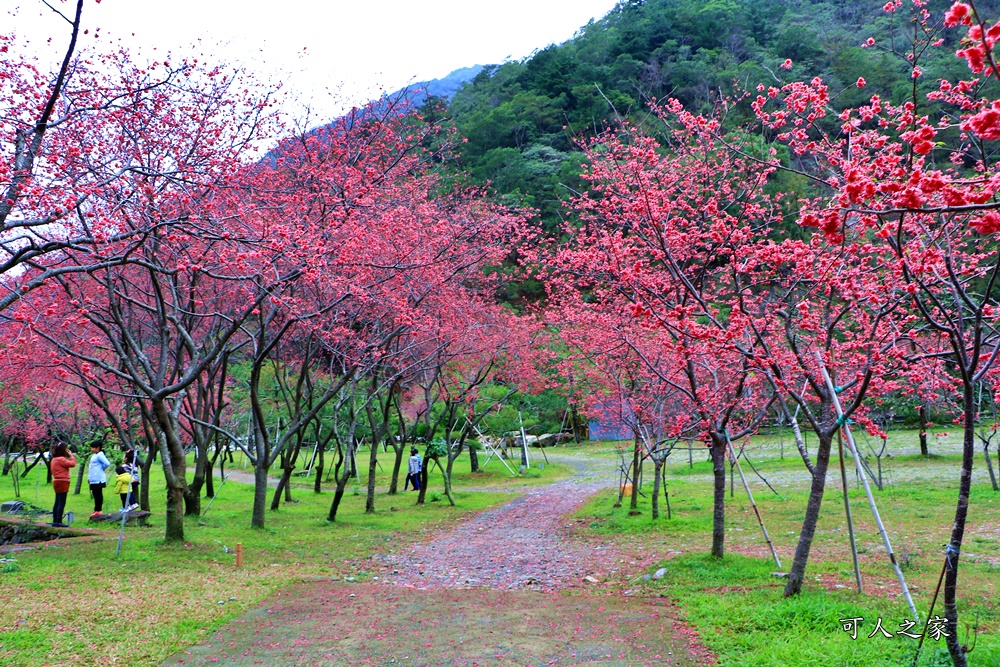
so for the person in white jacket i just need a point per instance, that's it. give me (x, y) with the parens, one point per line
(413, 470)
(96, 476)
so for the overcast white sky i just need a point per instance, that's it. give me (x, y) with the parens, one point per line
(331, 54)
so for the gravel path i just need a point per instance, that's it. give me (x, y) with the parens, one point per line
(521, 544)
(485, 592)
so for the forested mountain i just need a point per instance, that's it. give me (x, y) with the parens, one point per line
(522, 120)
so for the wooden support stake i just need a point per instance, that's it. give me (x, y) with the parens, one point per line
(847, 509)
(767, 538)
(239, 554)
(852, 447)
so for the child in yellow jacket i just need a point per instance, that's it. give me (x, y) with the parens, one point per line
(123, 485)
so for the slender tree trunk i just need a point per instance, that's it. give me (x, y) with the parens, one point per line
(79, 474)
(447, 474)
(798, 571)
(719, 498)
(283, 484)
(259, 492)
(209, 480)
(338, 493)
(924, 413)
(473, 460)
(989, 466)
(954, 547)
(318, 471)
(397, 463)
(423, 480)
(342, 479)
(657, 467)
(372, 464)
(636, 460)
(144, 477)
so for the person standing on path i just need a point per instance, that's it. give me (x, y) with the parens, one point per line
(413, 470)
(96, 477)
(62, 461)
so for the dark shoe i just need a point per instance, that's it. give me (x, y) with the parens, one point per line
(60, 525)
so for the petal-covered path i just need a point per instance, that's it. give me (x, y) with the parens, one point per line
(508, 587)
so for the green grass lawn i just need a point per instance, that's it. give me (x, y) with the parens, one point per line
(81, 605)
(736, 603)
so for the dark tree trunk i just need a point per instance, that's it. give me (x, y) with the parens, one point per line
(798, 571)
(954, 547)
(989, 466)
(192, 498)
(338, 495)
(473, 460)
(718, 453)
(372, 464)
(423, 481)
(924, 413)
(79, 475)
(318, 471)
(175, 515)
(144, 480)
(397, 464)
(283, 483)
(657, 467)
(259, 492)
(209, 480)
(636, 461)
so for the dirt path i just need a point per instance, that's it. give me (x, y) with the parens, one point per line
(511, 586)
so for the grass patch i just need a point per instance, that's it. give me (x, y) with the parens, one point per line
(81, 605)
(736, 603)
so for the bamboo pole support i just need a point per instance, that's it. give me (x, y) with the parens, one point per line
(239, 554)
(746, 487)
(847, 509)
(868, 490)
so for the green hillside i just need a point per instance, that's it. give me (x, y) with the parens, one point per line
(522, 119)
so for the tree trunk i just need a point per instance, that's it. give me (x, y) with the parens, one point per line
(447, 475)
(396, 465)
(719, 498)
(473, 460)
(342, 478)
(924, 413)
(989, 466)
(318, 471)
(192, 498)
(954, 547)
(144, 477)
(79, 475)
(174, 469)
(423, 480)
(259, 492)
(338, 494)
(657, 467)
(636, 459)
(372, 464)
(209, 480)
(798, 571)
(283, 484)
(175, 515)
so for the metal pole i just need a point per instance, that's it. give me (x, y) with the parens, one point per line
(215, 495)
(868, 490)
(847, 508)
(746, 487)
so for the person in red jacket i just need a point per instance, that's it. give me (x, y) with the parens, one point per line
(62, 461)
